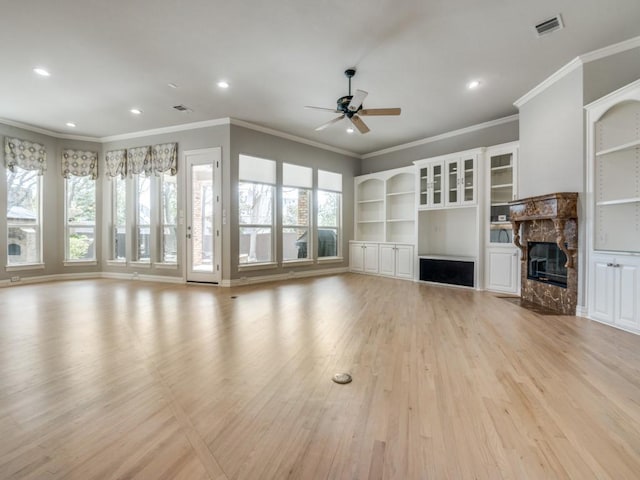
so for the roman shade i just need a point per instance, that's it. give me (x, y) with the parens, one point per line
(164, 158)
(24, 154)
(139, 160)
(116, 163)
(79, 163)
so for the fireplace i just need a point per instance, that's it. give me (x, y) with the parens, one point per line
(545, 228)
(547, 263)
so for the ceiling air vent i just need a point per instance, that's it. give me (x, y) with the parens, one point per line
(182, 108)
(549, 26)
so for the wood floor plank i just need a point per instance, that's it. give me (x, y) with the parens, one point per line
(103, 379)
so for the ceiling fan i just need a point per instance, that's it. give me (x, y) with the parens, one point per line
(350, 106)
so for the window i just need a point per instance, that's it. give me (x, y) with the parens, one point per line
(119, 218)
(329, 213)
(169, 218)
(296, 212)
(256, 193)
(80, 218)
(24, 192)
(142, 184)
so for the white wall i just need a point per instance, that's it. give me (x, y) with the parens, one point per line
(552, 139)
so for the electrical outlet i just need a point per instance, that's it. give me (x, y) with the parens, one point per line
(15, 279)
(135, 275)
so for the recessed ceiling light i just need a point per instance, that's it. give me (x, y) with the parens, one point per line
(172, 85)
(223, 84)
(42, 72)
(350, 130)
(70, 124)
(136, 111)
(473, 84)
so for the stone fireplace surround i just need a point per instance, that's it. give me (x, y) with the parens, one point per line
(548, 218)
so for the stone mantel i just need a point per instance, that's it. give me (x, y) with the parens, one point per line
(557, 207)
(548, 218)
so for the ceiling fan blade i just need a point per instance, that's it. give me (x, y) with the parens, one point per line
(330, 122)
(357, 100)
(323, 108)
(379, 111)
(359, 124)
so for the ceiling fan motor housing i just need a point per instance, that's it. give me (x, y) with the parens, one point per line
(343, 106)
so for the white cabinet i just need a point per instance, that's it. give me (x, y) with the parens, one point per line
(461, 181)
(385, 206)
(502, 257)
(449, 180)
(431, 185)
(615, 291)
(502, 270)
(613, 208)
(363, 257)
(396, 260)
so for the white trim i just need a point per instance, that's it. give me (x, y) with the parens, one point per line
(50, 278)
(80, 263)
(577, 62)
(550, 80)
(162, 130)
(141, 264)
(282, 276)
(582, 311)
(166, 266)
(49, 133)
(144, 278)
(611, 50)
(256, 266)
(330, 260)
(30, 266)
(294, 138)
(443, 136)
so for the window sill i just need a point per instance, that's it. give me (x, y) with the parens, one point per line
(141, 264)
(256, 266)
(166, 266)
(26, 266)
(330, 259)
(116, 263)
(292, 263)
(80, 263)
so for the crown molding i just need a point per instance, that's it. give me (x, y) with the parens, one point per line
(172, 129)
(442, 136)
(294, 138)
(578, 62)
(49, 133)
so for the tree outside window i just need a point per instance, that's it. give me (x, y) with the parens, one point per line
(81, 218)
(23, 216)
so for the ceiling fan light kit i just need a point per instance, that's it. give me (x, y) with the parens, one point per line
(350, 107)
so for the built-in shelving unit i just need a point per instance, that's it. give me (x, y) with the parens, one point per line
(613, 211)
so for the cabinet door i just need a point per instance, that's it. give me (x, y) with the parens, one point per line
(356, 257)
(467, 183)
(626, 293)
(602, 290)
(452, 182)
(387, 260)
(371, 258)
(436, 196)
(404, 261)
(502, 272)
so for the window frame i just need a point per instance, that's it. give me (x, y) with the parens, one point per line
(136, 225)
(328, 182)
(308, 227)
(68, 226)
(161, 219)
(37, 225)
(271, 226)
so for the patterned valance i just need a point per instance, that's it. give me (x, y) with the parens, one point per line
(164, 158)
(116, 162)
(139, 160)
(79, 163)
(24, 154)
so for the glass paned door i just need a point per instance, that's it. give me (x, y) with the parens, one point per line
(437, 185)
(469, 181)
(501, 191)
(452, 172)
(203, 219)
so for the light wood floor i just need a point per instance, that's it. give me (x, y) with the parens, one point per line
(101, 379)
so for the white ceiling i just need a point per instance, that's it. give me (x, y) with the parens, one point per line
(107, 56)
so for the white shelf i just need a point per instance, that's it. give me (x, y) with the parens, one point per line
(502, 167)
(504, 185)
(411, 192)
(619, 148)
(621, 201)
(500, 204)
(396, 220)
(375, 200)
(371, 221)
(456, 258)
(500, 223)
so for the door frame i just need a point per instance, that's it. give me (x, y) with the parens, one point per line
(185, 214)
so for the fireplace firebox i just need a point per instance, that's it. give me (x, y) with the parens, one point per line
(547, 263)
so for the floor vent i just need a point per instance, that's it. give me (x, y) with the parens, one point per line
(549, 26)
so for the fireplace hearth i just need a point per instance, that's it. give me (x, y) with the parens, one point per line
(546, 230)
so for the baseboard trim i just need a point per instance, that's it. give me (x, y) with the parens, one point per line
(238, 282)
(50, 278)
(142, 278)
